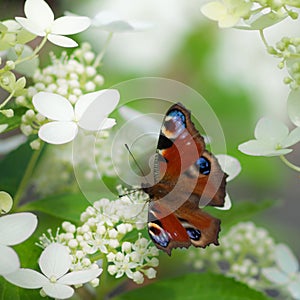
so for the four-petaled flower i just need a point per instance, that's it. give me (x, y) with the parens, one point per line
(286, 273)
(54, 280)
(40, 21)
(272, 139)
(14, 229)
(228, 12)
(90, 113)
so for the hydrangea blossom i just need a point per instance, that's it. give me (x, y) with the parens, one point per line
(242, 253)
(90, 113)
(14, 229)
(272, 139)
(55, 281)
(40, 21)
(286, 273)
(103, 234)
(227, 12)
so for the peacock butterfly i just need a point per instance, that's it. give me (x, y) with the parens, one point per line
(185, 173)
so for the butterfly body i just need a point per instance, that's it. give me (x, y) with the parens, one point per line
(184, 174)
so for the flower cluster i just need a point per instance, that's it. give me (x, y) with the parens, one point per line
(103, 235)
(242, 254)
(70, 77)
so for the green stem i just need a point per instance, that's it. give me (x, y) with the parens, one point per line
(34, 53)
(6, 100)
(101, 54)
(27, 175)
(289, 164)
(263, 38)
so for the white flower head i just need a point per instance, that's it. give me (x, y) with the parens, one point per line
(54, 280)
(232, 167)
(227, 12)
(286, 272)
(110, 21)
(90, 113)
(14, 229)
(40, 21)
(272, 139)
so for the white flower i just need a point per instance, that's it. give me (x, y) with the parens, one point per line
(110, 21)
(90, 113)
(287, 271)
(272, 138)
(54, 280)
(40, 21)
(6, 202)
(232, 167)
(14, 229)
(293, 106)
(226, 12)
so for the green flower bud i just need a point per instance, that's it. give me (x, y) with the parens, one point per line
(6, 202)
(10, 65)
(19, 49)
(20, 84)
(280, 65)
(9, 113)
(287, 80)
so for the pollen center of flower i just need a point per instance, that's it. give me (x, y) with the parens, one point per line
(278, 146)
(52, 279)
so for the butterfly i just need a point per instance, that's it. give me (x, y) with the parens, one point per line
(185, 173)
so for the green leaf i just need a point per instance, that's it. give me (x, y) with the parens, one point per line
(239, 212)
(66, 207)
(12, 167)
(195, 286)
(15, 121)
(12, 292)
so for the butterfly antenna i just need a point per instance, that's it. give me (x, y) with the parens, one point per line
(135, 161)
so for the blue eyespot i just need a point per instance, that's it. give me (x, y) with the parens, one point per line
(194, 234)
(203, 165)
(178, 115)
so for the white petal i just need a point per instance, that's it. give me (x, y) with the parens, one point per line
(272, 130)
(293, 106)
(62, 41)
(39, 12)
(27, 278)
(285, 259)
(274, 275)
(227, 203)
(55, 260)
(16, 228)
(58, 291)
(12, 142)
(259, 148)
(58, 132)
(3, 127)
(6, 202)
(70, 25)
(294, 289)
(228, 21)
(92, 116)
(108, 123)
(79, 277)
(53, 106)
(292, 139)
(230, 165)
(31, 26)
(214, 10)
(9, 260)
